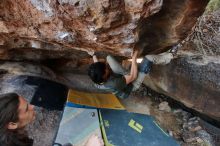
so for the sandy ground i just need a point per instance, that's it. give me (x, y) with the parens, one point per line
(43, 129)
(143, 102)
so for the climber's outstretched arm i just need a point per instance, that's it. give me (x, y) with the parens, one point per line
(94, 57)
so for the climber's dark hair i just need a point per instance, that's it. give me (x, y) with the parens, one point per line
(96, 72)
(9, 104)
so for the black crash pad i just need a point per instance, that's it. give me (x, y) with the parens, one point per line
(49, 94)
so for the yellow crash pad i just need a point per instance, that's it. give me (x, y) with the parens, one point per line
(98, 100)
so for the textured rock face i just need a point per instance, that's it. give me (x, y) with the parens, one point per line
(193, 80)
(108, 25)
(40, 29)
(171, 24)
(60, 32)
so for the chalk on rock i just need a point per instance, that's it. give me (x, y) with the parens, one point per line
(163, 106)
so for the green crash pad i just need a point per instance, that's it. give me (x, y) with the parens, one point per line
(77, 125)
(121, 128)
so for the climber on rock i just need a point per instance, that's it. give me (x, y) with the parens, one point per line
(110, 76)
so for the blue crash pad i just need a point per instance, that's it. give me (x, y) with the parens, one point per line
(121, 128)
(77, 125)
(70, 104)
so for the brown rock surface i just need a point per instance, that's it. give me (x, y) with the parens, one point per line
(35, 29)
(193, 77)
(58, 34)
(108, 26)
(192, 80)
